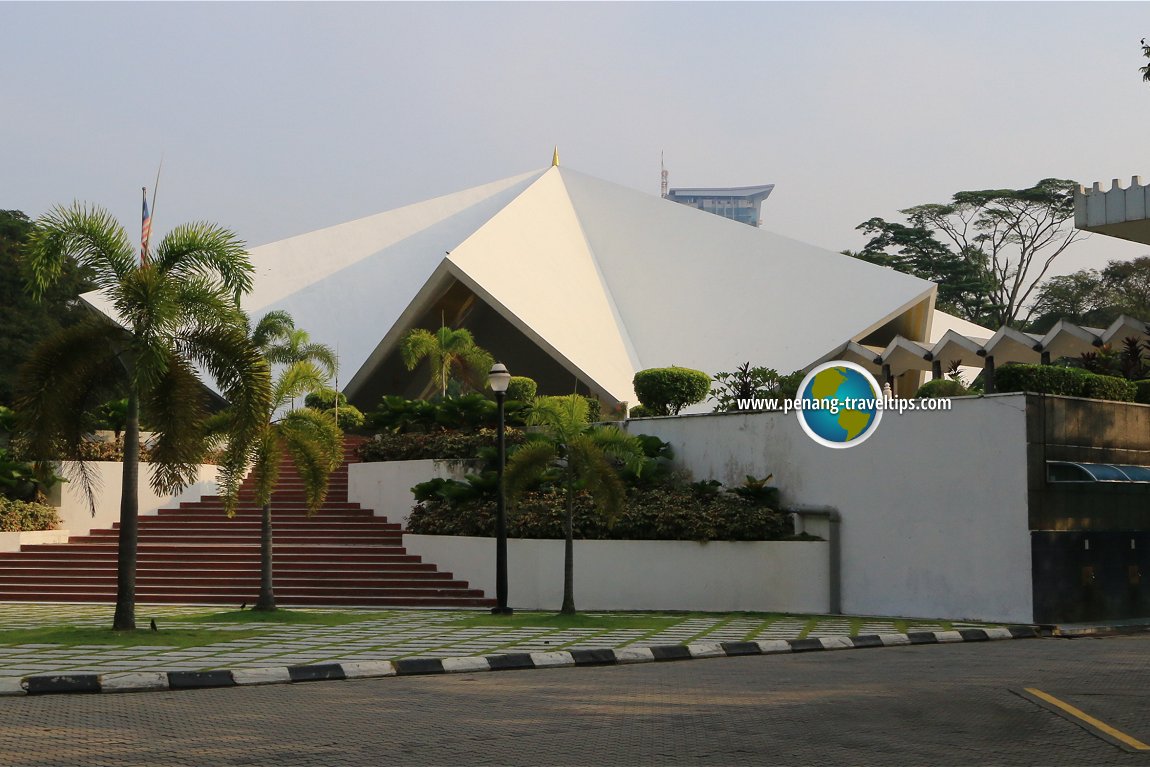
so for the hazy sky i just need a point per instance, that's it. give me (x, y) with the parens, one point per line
(280, 118)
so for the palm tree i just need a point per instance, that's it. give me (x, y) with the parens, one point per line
(585, 459)
(450, 353)
(177, 311)
(311, 438)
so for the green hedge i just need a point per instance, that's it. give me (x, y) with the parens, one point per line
(661, 513)
(1143, 391)
(941, 387)
(450, 445)
(1111, 388)
(521, 388)
(25, 516)
(666, 391)
(1069, 382)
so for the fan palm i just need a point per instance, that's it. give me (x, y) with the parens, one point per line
(177, 311)
(311, 438)
(450, 353)
(584, 458)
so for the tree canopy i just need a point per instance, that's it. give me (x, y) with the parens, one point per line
(1095, 297)
(25, 322)
(988, 249)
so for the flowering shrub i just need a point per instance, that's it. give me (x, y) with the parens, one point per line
(26, 516)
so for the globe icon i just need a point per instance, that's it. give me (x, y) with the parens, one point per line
(839, 404)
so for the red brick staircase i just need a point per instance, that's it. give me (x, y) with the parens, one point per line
(343, 555)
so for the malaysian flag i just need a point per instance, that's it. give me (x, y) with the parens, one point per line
(145, 230)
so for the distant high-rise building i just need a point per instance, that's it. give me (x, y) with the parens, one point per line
(739, 203)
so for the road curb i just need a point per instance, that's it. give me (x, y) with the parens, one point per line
(151, 681)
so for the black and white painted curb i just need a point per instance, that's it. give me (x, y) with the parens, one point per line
(144, 681)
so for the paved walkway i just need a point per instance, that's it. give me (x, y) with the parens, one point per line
(939, 705)
(387, 635)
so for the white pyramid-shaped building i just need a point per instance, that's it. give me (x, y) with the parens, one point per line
(578, 283)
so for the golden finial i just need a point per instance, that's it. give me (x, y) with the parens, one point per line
(555, 158)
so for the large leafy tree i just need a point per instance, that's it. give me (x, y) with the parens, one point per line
(577, 457)
(24, 321)
(1095, 297)
(964, 285)
(989, 248)
(452, 354)
(310, 438)
(178, 311)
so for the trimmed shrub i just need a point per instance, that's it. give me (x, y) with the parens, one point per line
(666, 391)
(1041, 379)
(1111, 388)
(25, 516)
(350, 417)
(451, 445)
(1143, 391)
(325, 400)
(661, 513)
(641, 411)
(521, 388)
(941, 387)
(594, 409)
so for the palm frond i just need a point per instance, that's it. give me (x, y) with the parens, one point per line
(64, 377)
(201, 249)
(176, 409)
(315, 443)
(527, 466)
(90, 236)
(242, 374)
(592, 466)
(265, 470)
(563, 417)
(276, 325)
(296, 380)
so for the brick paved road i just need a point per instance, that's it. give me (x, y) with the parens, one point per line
(936, 704)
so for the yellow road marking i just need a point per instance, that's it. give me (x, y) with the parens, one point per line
(1099, 725)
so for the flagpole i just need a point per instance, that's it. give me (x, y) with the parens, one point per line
(156, 188)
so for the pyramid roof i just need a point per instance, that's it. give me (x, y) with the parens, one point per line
(604, 279)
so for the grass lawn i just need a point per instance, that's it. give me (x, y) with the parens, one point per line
(285, 616)
(91, 635)
(192, 630)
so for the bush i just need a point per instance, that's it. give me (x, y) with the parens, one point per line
(640, 411)
(1067, 381)
(941, 387)
(594, 409)
(25, 516)
(521, 388)
(468, 413)
(350, 417)
(1041, 379)
(1111, 388)
(666, 391)
(1143, 391)
(325, 400)
(651, 514)
(449, 445)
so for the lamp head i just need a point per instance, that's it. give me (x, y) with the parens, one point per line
(498, 378)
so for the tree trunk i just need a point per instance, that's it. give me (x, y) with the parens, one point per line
(125, 617)
(569, 553)
(267, 599)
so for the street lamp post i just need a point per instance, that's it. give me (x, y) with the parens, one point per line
(498, 378)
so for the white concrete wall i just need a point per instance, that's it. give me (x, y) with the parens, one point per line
(934, 505)
(13, 541)
(786, 576)
(77, 517)
(385, 486)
